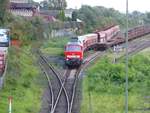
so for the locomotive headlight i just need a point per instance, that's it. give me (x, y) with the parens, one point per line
(68, 56)
(77, 56)
(73, 56)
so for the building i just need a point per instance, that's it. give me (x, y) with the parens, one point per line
(23, 8)
(68, 12)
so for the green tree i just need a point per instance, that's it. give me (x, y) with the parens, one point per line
(58, 4)
(88, 15)
(61, 15)
(147, 18)
(74, 16)
(3, 10)
(54, 4)
(98, 16)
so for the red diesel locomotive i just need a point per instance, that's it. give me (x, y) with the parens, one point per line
(74, 50)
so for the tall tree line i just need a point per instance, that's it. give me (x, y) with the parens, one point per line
(54, 4)
(98, 16)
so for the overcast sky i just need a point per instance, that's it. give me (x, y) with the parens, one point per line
(140, 5)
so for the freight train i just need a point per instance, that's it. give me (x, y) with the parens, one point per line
(74, 50)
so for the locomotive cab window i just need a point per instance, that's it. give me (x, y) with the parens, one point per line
(73, 48)
(74, 39)
(1, 34)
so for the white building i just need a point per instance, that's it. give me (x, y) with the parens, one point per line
(68, 13)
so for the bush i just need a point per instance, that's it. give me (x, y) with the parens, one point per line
(27, 30)
(21, 83)
(106, 84)
(104, 76)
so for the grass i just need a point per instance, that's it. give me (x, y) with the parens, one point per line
(106, 83)
(108, 103)
(55, 46)
(22, 83)
(53, 51)
(104, 102)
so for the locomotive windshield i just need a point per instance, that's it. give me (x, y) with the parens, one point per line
(74, 39)
(73, 48)
(1, 34)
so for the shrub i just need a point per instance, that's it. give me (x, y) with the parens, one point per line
(105, 76)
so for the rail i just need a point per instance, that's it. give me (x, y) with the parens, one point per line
(54, 103)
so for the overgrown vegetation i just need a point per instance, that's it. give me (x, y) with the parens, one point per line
(55, 46)
(106, 84)
(22, 83)
(25, 29)
(3, 10)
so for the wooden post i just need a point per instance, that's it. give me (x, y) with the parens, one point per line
(10, 104)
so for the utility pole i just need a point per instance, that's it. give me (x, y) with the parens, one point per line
(126, 70)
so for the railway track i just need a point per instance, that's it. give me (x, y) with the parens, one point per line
(65, 99)
(62, 100)
(136, 46)
(55, 86)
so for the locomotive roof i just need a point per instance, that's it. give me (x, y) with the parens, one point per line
(79, 39)
(74, 43)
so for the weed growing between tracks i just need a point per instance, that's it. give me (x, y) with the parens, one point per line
(106, 82)
(22, 83)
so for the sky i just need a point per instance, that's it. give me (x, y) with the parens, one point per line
(139, 5)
